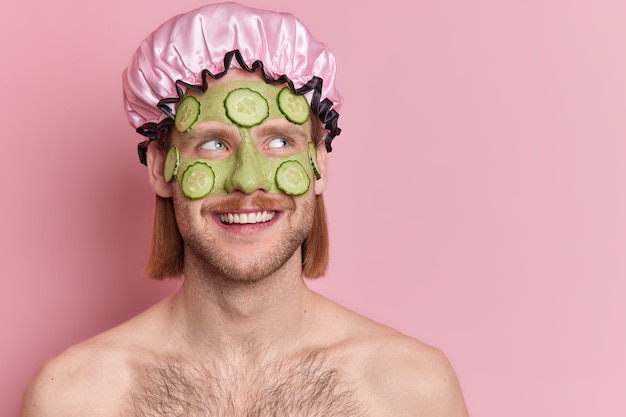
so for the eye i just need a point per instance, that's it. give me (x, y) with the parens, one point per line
(278, 143)
(214, 145)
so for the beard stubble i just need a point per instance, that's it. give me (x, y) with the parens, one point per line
(204, 252)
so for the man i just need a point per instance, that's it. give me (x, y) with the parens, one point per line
(240, 108)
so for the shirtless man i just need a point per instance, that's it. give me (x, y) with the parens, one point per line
(239, 166)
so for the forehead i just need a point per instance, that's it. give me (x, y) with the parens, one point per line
(214, 104)
(241, 99)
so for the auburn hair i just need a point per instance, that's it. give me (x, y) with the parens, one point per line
(167, 248)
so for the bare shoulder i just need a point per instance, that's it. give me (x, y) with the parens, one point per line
(86, 379)
(414, 378)
(90, 378)
(400, 375)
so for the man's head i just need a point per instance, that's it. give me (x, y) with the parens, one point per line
(189, 88)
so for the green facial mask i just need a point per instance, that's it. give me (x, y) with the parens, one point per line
(244, 104)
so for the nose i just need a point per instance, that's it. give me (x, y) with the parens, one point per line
(249, 174)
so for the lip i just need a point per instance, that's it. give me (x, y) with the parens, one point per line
(265, 209)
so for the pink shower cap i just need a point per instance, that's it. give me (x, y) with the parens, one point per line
(205, 43)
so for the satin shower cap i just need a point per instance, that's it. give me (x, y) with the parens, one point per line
(205, 43)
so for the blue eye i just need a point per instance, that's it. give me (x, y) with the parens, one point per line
(279, 143)
(213, 145)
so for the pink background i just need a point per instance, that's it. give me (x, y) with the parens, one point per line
(477, 194)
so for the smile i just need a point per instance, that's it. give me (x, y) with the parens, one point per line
(247, 218)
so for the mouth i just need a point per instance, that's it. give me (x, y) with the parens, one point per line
(247, 218)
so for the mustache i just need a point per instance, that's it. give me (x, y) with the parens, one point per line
(259, 201)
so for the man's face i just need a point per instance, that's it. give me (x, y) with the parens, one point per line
(243, 185)
(219, 164)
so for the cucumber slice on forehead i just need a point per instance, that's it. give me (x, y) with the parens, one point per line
(187, 114)
(198, 180)
(292, 178)
(294, 107)
(246, 107)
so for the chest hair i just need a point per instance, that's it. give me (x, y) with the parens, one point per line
(294, 387)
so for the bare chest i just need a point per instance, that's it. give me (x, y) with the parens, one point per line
(304, 387)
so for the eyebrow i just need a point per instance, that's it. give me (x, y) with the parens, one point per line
(284, 129)
(263, 130)
(202, 132)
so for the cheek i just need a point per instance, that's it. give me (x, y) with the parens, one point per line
(185, 210)
(306, 208)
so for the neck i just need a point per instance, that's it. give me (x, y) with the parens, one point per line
(235, 316)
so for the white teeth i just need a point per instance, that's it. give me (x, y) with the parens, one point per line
(247, 218)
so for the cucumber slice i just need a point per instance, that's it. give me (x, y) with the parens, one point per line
(187, 114)
(294, 107)
(172, 162)
(246, 107)
(198, 180)
(292, 178)
(312, 153)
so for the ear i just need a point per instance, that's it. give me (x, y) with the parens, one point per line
(322, 153)
(156, 163)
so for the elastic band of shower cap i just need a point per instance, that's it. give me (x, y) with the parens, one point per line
(190, 48)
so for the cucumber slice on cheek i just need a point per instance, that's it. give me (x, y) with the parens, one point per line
(292, 178)
(172, 162)
(312, 154)
(198, 180)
